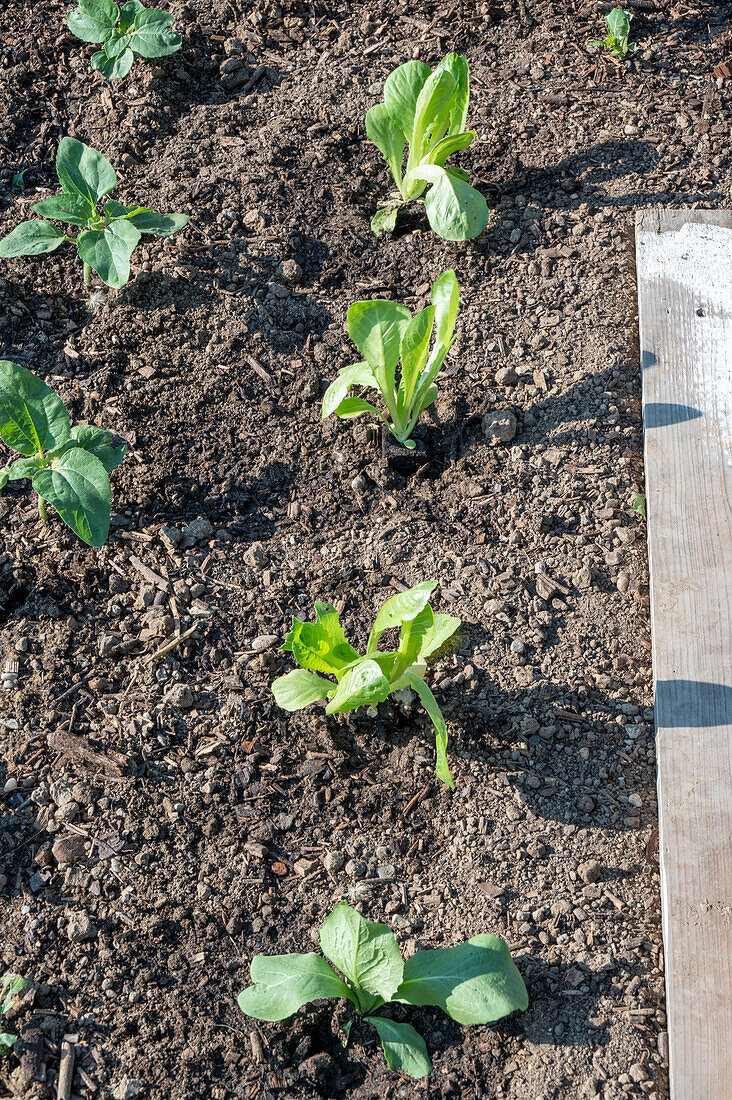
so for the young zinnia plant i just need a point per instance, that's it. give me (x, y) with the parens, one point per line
(367, 680)
(109, 233)
(385, 333)
(68, 467)
(426, 110)
(476, 982)
(122, 33)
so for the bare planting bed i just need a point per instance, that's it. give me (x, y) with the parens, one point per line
(169, 820)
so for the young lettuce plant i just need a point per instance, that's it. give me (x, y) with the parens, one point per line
(427, 110)
(618, 30)
(11, 985)
(123, 32)
(363, 681)
(68, 467)
(474, 983)
(108, 235)
(385, 332)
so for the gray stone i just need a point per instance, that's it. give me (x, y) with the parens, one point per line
(589, 871)
(499, 427)
(198, 530)
(80, 928)
(180, 696)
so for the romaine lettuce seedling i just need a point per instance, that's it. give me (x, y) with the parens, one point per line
(365, 681)
(475, 983)
(109, 235)
(11, 986)
(68, 467)
(618, 29)
(385, 332)
(427, 110)
(123, 32)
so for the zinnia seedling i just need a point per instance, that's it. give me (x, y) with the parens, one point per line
(618, 29)
(427, 111)
(384, 333)
(475, 983)
(11, 986)
(68, 467)
(109, 235)
(123, 32)
(366, 681)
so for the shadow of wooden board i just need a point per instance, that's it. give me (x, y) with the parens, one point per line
(684, 264)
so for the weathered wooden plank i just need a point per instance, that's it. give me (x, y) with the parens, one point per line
(684, 261)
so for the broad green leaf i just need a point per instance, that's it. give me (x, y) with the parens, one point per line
(31, 239)
(159, 225)
(415, 351)
(359, 374)
(404, 1048)
(299, 689)
(364, 685)
(401, 92)
(618, 23)
(152, 36)
(442, 769)
(384, 220)
(432, 113)
(99, 442)
(283, 983)
(4, 477)
(108, 251)
(457, 66)
(398, 609)
(388, 138)
(320, 646)
(20, 469)
(412, 637)
(455, 210)
(73, 209)
(112, 68)
(114, 209)
(78, 488)
(366, 952)
(93, 20)
(128, 12)
(377, 328)
(444, 628)
(475, 983)
(351, 407)
(439, 153)
(446, 300)
(116, 45)
(83, 171)
(32, 417)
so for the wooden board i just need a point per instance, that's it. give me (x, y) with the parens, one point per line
(684, 261)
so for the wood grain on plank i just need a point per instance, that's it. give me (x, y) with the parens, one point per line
(684, 261)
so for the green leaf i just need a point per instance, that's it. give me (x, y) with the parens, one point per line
(32, 417)
(320, 646)
(384, 220)
(74, 209)
(377, 328)
(401, 92)
(404, 1048)
(442, 768)
(6, 1039)
(31, 239)
(366, 952)
(432, 113)
(99, 442)
(116, 45)
(444, 628)
(415, 351)
(283, 983)
(351, 407)
(458, 68)
(93, 20)
(152, 36)
(299, 689)
(439, 153)
(446, 300)
(359, 374)
(364, 685)
(20, 469)
(618, 23)
(639, 504)
(128, 12)
(78, 488)
(411, 638)
(159, 225)
(112, 68)
(388, 138)
(84, 171)
(108, 251)
(455, 210)
(475, 983)
(398, 609)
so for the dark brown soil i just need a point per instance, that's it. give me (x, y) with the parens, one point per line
(169, 822)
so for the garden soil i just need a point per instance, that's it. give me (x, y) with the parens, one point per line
(163, 820)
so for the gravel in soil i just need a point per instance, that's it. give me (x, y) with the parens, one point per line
(162, 820)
